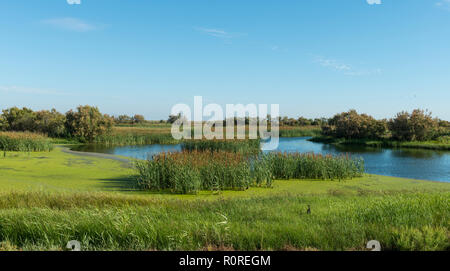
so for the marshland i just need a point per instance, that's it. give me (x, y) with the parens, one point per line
(116, 185)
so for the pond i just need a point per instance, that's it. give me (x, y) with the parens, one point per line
(407, 163)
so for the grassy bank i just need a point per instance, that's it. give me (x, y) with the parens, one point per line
(113, 222)
(91, 200)
(443, 144)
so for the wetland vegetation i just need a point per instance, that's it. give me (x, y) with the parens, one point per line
(212, 195)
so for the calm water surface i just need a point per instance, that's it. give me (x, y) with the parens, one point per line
(407, 163)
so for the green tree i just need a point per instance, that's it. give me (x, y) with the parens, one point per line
(123, 119)
(419, 125)
(16, 119)
(87, 123)
(2, 123)
(352, 125)
(138, 119)
(51, 123)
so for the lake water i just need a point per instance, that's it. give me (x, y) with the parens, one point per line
(407, 163)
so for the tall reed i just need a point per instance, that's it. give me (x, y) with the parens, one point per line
(314, 166)
(135, 139)
(247, 146)
(24, 142)
(300, 131)
(188, 172)
(191, 171)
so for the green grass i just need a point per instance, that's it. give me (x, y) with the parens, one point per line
(90, 199)
(113, 222)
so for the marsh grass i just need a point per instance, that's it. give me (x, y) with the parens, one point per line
(41, 221)
(442, 143)
(247, 146)
(24, 142)
(194, 170)
(135, 139)
(305, 131)
(314, 166)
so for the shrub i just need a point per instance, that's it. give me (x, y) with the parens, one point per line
(419, 125)
(51, 123)
(87, 123)
(16, 119)
(351, 125)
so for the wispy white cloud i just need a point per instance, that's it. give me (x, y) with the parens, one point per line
(72, 24)
(444, 4)
(219, 33)
(374, 2)
(28, 90)
(74, 2)
(274, 48)
(344, 68)
(332, 63)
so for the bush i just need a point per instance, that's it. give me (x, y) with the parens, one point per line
(87, 123)
(51, 123)
(351, 125)
(16, 119)
(419, 126)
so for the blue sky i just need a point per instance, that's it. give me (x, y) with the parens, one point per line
(314, 58)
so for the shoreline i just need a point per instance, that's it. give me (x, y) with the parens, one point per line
(388, 144)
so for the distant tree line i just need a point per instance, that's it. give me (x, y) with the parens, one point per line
(87, 122)
(416, 126)
(301, 121)
(84, 124)
(125, 119)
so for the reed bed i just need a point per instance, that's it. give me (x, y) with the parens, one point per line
(135, 139)
(314, 166)
(248, 146)
(188, 172)
(192, 171)
(24, 142)
(306, 131)
(141, 130)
